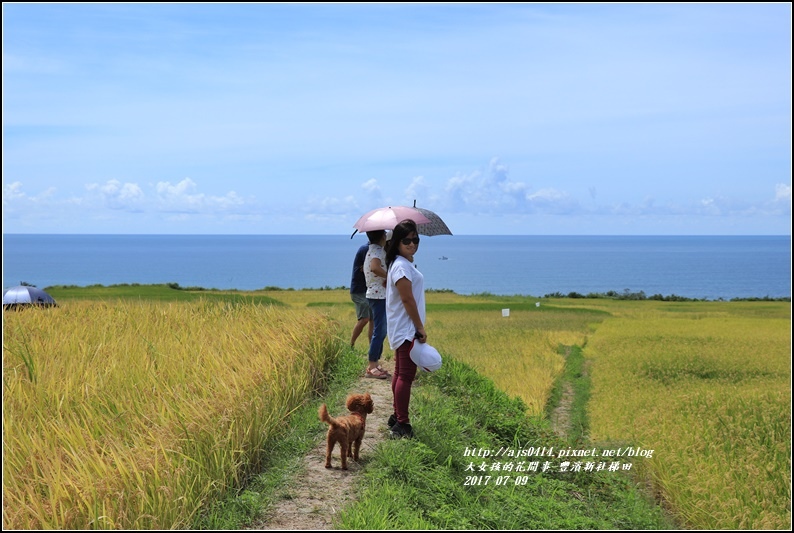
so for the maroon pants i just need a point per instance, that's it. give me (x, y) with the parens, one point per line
(404, 374)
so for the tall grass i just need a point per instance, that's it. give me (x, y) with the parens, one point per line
(711, 394)
(135, 415)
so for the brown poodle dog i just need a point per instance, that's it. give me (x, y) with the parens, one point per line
(348, 430)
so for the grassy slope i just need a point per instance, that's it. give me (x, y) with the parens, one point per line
(420, 483)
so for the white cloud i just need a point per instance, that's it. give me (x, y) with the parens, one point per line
(12, 192)
(15, 198)
(418, 191)
(371, 186)
(106, 200)
(489, 191)
(553, 201)
(546, 195)
(184, 198)
(184, 187)
(458, 193)
(374, 195)
(709, 206)
(494, 192)
(782, 192)
(330, 205)
(117, 195)
(497, 171)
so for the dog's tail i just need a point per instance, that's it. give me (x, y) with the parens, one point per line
(325, 417)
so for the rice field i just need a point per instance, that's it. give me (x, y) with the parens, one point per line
(523, 353)
(708, 388)
(133, 415)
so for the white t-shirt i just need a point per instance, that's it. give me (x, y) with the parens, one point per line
(399, 326)
(375, 287)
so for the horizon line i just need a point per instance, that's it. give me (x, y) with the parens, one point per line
(432, 236)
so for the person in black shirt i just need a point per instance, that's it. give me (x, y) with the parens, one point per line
(358, 293)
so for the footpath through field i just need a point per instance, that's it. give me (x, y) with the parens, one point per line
(317, 494)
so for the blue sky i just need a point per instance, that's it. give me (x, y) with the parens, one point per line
(540, 119)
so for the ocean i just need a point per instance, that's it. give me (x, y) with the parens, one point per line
(707, 267)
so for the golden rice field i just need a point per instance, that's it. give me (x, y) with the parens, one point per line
(520, 353)
(135, 414)
(707, 386)
(132, 415)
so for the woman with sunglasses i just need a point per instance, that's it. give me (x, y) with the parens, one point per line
(405, 319)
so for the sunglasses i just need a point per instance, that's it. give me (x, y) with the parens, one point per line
(406, 242)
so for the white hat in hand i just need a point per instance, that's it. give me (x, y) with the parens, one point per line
(425, 356)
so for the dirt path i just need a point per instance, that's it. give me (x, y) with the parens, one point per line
(561, 416)
(317, 494)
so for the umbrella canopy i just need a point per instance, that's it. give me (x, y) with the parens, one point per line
(436, 226)
(26, 295)
(388, 217)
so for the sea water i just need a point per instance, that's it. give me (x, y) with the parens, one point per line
(708, 267)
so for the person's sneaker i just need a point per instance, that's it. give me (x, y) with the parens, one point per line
(392, 421)
(402, 431)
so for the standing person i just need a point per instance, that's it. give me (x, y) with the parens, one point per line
(375, 274)
(358, 293)
(405, 319)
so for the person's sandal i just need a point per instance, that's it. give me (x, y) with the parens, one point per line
(388, 374)
(376, 374)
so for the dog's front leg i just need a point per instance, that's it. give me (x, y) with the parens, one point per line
(356, 448)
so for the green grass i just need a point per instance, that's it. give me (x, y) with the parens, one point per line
(513, 306)
(422, 483)
(487, 306)
(163, 293)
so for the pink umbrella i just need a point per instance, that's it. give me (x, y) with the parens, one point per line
(388, 217)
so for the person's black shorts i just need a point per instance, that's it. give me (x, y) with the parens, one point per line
(362, 305)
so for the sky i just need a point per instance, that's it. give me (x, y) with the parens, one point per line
(504, 119)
